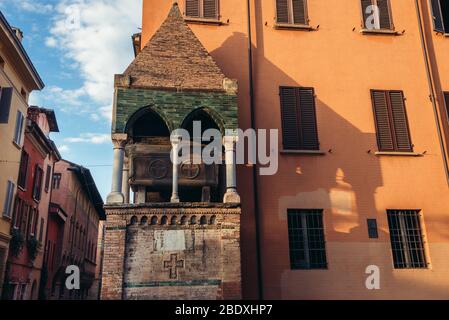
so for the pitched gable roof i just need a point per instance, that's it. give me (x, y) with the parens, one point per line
(174, 58)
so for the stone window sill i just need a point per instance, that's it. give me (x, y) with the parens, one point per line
(291, 26)
(216, 22)
(304, 152)
(399, 154)
(381, 32)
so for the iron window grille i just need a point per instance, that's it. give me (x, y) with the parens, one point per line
(306, 238)
(406, 239)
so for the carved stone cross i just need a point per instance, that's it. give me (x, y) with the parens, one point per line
(173, 265)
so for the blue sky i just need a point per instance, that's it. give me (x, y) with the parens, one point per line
(77, 46)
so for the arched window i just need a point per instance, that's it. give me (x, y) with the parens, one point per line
(174, 221)
(144, 220)
(134, 220)
(164, 220)
(203, 220)
(145, 124)
(199, 115)
(213, 220)
(154, 221)
(183, 220)
(193, 220)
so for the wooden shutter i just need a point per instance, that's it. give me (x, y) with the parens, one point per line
(400, 123)
(308, 123)
(5, 104)
(290, 119)
(193, 8)
(391, 121)
(438, 22)
(384, 13)
(365, 5)
(299, 124)
(282, 11)
(299, 12)
(210, 9)
(382, 117)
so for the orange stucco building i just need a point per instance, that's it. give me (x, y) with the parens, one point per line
(382, 196)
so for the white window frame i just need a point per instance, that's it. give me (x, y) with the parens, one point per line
(18, 131)
(8, 202)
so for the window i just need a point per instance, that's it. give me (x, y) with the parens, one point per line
(206, 9)
(299, 123)
(372, 229)
(406, 239)
(19, 128)
(5, 103)
(391, 121)
(47, 178)
(23, 170)
(446, 101)
(37, 185)
(291, 12)
(56, 180)
(7, 206)
(440, 15)
(306, 238)
(384, 21)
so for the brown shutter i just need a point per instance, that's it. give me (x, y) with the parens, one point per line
(291, 139)
(282, 11)
(308, 128)
(299, 12)
(384, 12)
(382, 119)
(400, 123)
(365, 4)
(5, 104)
(193, 8)
(210, 8)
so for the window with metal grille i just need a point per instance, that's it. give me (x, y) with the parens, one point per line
(306, 238)
(292, 12)
(406, 239)
(392, 127)
(440, 15)
(206, 9)
(299, 122)
(383, 21)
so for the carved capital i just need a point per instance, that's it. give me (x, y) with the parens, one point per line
(119, 140)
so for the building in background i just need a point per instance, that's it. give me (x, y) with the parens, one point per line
(76, 210)
(18, 78)
(364, 131)
(30, 216)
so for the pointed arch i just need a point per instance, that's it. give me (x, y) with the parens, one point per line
(152, 113)
(212, 118)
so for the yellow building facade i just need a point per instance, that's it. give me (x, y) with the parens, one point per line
(18, 78)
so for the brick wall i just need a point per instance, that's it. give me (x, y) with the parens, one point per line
(196, 260)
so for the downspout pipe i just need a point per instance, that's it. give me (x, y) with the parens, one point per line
(255, 173)
(433, 95)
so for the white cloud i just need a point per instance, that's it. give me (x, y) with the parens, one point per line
(64, 148)
(93, 138)
(51, 42)
(33, 6)
(95, 35)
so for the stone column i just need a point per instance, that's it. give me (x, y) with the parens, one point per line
(231, 195)
(116, 196)
(125, 181)
(175, 141)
